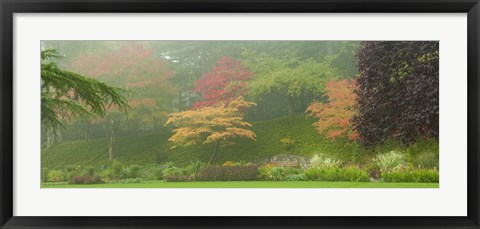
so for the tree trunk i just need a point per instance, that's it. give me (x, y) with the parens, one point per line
(110, 149)
(290, 105)
(111, 145)
(110, 133)
(86, 134)
(49, 137)
(53, 137)
(213, 154)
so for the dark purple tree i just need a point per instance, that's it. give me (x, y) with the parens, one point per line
(397, 91)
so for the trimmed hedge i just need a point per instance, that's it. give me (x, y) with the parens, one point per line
(86, 179)
(178, 178)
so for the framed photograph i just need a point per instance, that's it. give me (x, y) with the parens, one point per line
(258, 114)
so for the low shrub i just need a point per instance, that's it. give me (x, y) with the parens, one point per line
(391, 161)
(44, 175)
(424, 153)
(373, 171)
(153, 172)
(228, 173)
(130, 181)
(232, 163)
(337, 174)
(296, 177)
(263, 171)
(173, 171)
(87, 179)
(321, 160)
(115, 171)
(134, 171)
(55, 176)
(427, 160)
(193, 169)
(178, 178)
(418, 176)
(90, 170)
(273, 173)
(71, 170)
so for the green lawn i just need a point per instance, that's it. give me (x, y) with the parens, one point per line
(252, 184)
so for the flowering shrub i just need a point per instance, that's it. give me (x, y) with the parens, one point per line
(228, 173)
(228, 163)
(419, 176)
(390, 161)
(321, 160)
(337, 174)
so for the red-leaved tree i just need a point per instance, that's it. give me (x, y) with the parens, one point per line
(132, 65)
(225, 82)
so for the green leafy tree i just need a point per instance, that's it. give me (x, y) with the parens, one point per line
(149, 117)
(290, 77)
(112, 122)
(66, 95)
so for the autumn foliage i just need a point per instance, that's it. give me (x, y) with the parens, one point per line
(334, 116)
(219, 123)
(132, 65)
(224, 83)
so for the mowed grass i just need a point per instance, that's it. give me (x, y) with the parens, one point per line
(252, 184)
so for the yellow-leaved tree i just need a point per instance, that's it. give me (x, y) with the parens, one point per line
(217, 124)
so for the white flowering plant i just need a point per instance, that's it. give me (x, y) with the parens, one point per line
(391, 161)
(321, 161)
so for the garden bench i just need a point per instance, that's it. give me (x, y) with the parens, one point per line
(285, 163)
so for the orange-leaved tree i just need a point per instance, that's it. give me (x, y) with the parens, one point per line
(218, 124)
(334, 116)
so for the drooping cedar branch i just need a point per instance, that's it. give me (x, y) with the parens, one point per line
(67, 94)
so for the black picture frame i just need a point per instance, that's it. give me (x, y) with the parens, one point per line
(9, 7)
